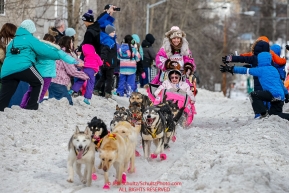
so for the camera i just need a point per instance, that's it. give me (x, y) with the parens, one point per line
(116, 9)
(15, 51)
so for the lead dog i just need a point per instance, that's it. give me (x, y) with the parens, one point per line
(81, 151)
(153, 129)
(116, 150)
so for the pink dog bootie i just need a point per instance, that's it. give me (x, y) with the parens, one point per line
(106, 186)
(93, 176)
(123, 178)
(174, 138)
(163, 156)
(137, 154)
(154, 156)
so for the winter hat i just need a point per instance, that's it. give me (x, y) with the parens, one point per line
(172, 65)
(263, 38)
(28, 25)
(150, 38)
(264, 59)
(70, 32)
(107, 6)
(109, 29)
(88, 16)
(174, 71)
(175, 32)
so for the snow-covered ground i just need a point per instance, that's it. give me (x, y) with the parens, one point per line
(225, 150)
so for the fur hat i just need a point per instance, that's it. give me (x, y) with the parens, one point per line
(70, 32)
(109, 29)
(28, 25)
(175, 32)
(172, 65)
(88, 16)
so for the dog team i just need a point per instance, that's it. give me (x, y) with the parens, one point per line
(117, 147)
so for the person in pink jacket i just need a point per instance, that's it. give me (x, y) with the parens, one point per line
(92, 62)
(175, 48)
(174, 83)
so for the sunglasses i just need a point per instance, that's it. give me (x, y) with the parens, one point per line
(175, 77)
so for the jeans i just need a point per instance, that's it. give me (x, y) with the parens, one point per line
(59, 91)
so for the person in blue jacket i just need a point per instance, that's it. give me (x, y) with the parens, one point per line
(273, 88)
(281, 68)
(18, 65)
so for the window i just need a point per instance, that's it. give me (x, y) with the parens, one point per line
(2, 10)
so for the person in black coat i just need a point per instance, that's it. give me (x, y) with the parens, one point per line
(92, 34)
(109, 56)
(149, 56)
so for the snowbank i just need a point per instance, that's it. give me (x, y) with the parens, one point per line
(224, 151)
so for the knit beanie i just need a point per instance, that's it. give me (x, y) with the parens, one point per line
(88, 16)
(28, 25)
(150, 38)
(109, 29)
(264, 58)
(70, 32)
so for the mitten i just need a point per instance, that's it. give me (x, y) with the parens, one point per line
(227, 59)
(143, 75)
(226, 68)
(286, 98)
(287, 47)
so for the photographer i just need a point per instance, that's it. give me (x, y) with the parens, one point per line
(105, 18)
(18, 65)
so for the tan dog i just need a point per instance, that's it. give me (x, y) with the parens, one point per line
(116, 150)
(81, 151)
(126, 129)
(138, 98)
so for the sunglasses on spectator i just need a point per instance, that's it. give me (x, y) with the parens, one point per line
(175, 77)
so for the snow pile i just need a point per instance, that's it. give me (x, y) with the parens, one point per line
(224, 151)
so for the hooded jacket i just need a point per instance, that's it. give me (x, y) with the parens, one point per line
(108, 50)
(167, 84)
(127, 63)
(91, 58)
(57, 34)
(137, 40)
(260, 46)
(281, 68)
(30, 48)
(92, 37)
(268, 76)
(47, 67)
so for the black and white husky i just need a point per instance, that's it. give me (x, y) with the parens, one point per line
(81, 151)
(153, 129)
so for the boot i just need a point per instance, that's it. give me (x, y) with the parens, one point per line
(107, 95)
(96, 92)
(86, 101)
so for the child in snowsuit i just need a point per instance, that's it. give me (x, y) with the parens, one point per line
(92, 62)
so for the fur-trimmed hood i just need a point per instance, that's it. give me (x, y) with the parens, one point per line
(51, 44)
(52, 31)
(168, 49)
